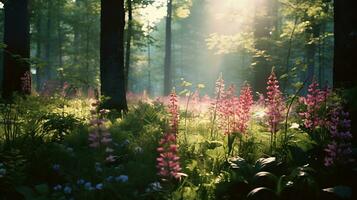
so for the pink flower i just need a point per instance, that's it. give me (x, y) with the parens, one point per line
(339, 150)
(245, 103)
(233, 112)
(174, 112)
(99, 137)
(168, 164)
(275, 104)
(313, 103)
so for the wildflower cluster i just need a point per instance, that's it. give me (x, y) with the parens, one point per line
(339, 150)
(168, 161)
(226, 107)
(245, 103)
(100, 137)
(274, 103)
(233, 111)
(174, 112)
(313, 103)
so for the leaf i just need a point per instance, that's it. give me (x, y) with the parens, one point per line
(261, 193)
(213, 144)
(284, 76)
(25, 191)
(184, 92)
(265, 179)
(263, 164)
(341, 191)
(200, 86)
(42, 189)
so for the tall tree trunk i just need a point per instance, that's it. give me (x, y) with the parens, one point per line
(345, 62)
(149, 67)
(168, 40)
(1, 54)
(48, 67)
(17, 75)
(76, 39)
(87, 62)
(59, 36)
(112, 54)
(345, 44)
(38, 51)
(264, 23)
(128, 42)
(310, 55)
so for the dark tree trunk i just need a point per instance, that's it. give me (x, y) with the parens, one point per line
(17, 76)
(76, 39)
(60, 36)
(310, 55)
(345, 58)
(264, 23)
(1, 55)
(149, 67)
(48, 49)
(38, 51)
(87, 62)
(112, 54)
(128, 42)
(168, 40)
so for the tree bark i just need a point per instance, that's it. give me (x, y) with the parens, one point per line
(112, 54)
(38, 51)
(168, 43)
(345, 29)
(345, 53)
(48, 49)
(128, 42)
(17, 75)
(264, 23)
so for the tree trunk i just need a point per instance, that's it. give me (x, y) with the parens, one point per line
(38, 51)
(149, 67)
(112, 54)
(128, 42)
(345, 62)
(17, 75)
(60, 36)
(48, 67)
(310, 55)
(264, 23)
(168, 40)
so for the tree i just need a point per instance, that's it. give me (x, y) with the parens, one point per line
(128, 41)
(168, 43)
(345, 44)
(264, 25)
(112, 77)
(345, 52)
(17, 76)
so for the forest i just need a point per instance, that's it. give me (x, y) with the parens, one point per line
(178, 99)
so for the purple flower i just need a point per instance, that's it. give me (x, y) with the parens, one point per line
(56, 167)
(88, 186)
(80, 181)
(122, 178)
(67, 190)
(99, 186)
(57, 187)
(339, 150)
(109, 178)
